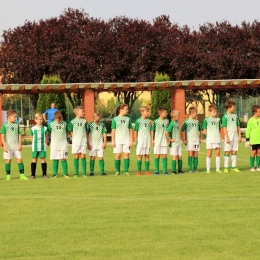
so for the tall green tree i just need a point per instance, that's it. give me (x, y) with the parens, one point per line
(160, 98)
(46, 99)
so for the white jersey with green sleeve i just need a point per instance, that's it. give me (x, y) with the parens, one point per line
(11, 132)
(174, 130)
(58, 133)
(122, 125)
(231, 122)
(96, 132)
(143, 129)
(159, 127)
(253, 130)
(79, 128)
(38, 134)
(192, 128)
(212, 125)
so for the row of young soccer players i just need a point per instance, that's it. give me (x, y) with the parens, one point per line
(160, 133)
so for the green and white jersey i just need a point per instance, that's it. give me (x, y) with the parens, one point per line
(174, 130)
(231, 122)
(159, 127)
(79, 128)
(96, 132)
(143, 129)
(212, 125)
(192, 128)
(58, 133)
(38, 141)
(11, 132)
(253, 130)
(122, 126)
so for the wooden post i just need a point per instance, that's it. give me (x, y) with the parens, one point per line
(88, 102)
(178, 103)
(1, 111)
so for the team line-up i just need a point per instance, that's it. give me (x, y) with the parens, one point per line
(160, 133)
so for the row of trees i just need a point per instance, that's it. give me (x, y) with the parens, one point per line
(81, 48)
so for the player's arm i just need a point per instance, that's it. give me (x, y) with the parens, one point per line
(183, 130)
(201, 133)
(44, 117)
(19, 139)
(168, 131)
(224, 124)
(239, 131)
(248, 132)
(152, 133)
(113, 131)
(3, 132)
(104, 131)
(130, 127)
(136, 130)
(204, 127)
(31, 135)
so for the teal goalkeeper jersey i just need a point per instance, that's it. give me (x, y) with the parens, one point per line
(231, 123)
(38, 134)
(11, 132)
(253, 130)
(212, 125)
(159, 127)
(192, 128)
(174, 130)
(79, 128)
(143, 129)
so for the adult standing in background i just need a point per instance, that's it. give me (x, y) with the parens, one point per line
(50, 113)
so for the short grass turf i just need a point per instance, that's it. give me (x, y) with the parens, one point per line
(187, 216)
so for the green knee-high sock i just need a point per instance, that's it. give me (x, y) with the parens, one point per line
(257, 161)
(139, 165)
(117, 165)
(55, 166)
(156, 164)
(84, 165)
(174, 165)
(195, 162)
(126, 165)
(179, 165)
(252, 161)
(190, 163)
(8, 168)
(21, 168)
(76, 166)
(102, 166)
(92, 166)
(64, 165)
(147, 166)
(164, 162)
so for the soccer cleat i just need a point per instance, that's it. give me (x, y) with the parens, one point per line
(138, 174)
(76, 176)
(45, 177)
(252, 169)
(148, 173)
(8, 177)
(156, 173)
(84, 175)
(191, 171)
(174, 172)
(195, 171)
(218, 171)
(226, 170)
(66, 176)
(91, 174)
(54, 176)
(165, 173)
(258, 169)
(117, 173)
(23, 177)
(103, 174)
(208, 172)
(180, 171)
(32, 177)
(235, 170)
(126, 174)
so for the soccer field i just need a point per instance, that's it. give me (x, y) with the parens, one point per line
(186, 216)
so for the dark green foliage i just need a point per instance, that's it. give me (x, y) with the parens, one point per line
(160, 98)
(45, 100)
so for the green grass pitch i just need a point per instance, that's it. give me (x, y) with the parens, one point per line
(187, 216)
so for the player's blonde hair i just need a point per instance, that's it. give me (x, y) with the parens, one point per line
(175, 113)
(144, 108)
(77, 108)
(10, 113)
(38, 115)
(192, 109)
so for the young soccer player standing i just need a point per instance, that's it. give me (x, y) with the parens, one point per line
(143, 140)
(39, 140)
(159, 140)
(253, 138)
(173, 136)
(97, 141)
(211, 129)
(12, 142)
(121, 136)
(59, 146)
(232, 135)
(78, 128)
(192, 138)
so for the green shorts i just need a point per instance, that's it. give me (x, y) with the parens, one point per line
(41, 154)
